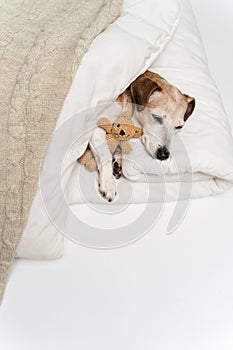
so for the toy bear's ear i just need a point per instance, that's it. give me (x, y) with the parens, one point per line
(105, 124)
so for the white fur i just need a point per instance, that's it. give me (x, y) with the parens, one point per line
(103, 157)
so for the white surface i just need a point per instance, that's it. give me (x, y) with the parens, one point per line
(162, 292)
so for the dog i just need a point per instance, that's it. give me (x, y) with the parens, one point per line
(161, 109)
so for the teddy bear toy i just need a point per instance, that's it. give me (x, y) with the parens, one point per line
(117, 134)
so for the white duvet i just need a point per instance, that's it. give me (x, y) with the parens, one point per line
(162, 36)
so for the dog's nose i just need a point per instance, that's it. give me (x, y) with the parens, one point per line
(162, 153)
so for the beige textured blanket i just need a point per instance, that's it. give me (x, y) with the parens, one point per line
(41, 45)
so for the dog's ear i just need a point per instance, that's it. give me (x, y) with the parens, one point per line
(190, 108)
(141, 90)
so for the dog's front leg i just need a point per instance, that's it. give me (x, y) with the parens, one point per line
(103, 157)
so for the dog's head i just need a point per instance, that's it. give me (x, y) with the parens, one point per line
(161, 109)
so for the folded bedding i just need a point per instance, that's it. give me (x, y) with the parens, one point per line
(201, 154)
(162, 36)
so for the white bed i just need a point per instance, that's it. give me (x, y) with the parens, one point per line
(164, 292)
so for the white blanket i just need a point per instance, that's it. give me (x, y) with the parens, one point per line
(160, 36)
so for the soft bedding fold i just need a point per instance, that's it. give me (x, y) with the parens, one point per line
(42, 43)
(201, 154)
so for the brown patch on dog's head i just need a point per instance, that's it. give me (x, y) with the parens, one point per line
(141, 90)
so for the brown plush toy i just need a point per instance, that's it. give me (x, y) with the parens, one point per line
(117, 134)
(87, 159)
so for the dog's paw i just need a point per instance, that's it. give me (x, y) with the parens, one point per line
(107, 187)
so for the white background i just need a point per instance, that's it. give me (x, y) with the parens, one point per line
(126, 299)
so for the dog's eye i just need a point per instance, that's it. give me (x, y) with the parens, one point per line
(158, 119)
(179, 127)
(118, 125)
